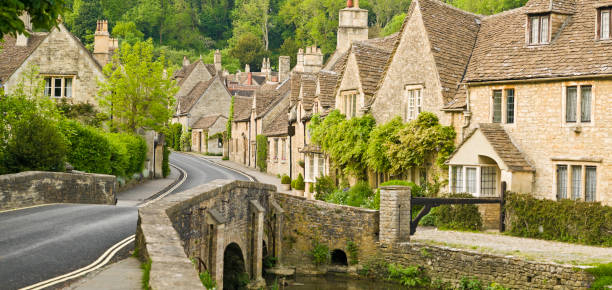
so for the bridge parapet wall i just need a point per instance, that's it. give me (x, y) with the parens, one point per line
(41, 187)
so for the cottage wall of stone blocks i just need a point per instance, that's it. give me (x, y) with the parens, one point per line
(215, 101)
(543, 136)
(278, 164)
(199, 74)
(239, 150)
(61, 55)
(350, 83)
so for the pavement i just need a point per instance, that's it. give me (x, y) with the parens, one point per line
(139, 193)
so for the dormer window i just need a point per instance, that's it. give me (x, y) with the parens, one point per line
(604, 25)
(539, 29)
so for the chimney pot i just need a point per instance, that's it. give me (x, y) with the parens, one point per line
(349, 3)
(185, 60)
(250, 78)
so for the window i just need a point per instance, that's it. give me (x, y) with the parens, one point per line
(539, 29)
(275, 149)
(488, 180)
(590, 183)
(457, 179)
(58, 87)
(604, 25)
(470, 178)
(321, 166)
(510, 106)
(284, 149)
(414, 102)
(572, 104)
(561, 181)
(497, 106)
(576, 181)
(311, 167)
(350, 104)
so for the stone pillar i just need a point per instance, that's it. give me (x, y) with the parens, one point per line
(257, 230)
(284, 68)
(159, 155)
(277, 239)
(216, 249)
(395, 214)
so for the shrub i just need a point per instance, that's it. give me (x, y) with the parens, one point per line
(323, 187)
(175, 136)
(467, 283)
(262, 152)
(603, 276)
(90, 151)
(338, 196)
(269, 262)
(207, 281)
(565, 220)
(120, 161)
(320, 253)
(35, 144)
(358, 194)
(464, 217)
(408, 276)
(373, 202)
(186, 140)
(285, 179)
(299, 182)
(136, 149)
(166, 162)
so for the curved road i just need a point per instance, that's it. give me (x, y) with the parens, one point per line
(40, 243)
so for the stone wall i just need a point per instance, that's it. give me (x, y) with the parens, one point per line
(37, 187)
(332, 225)
(451, 265)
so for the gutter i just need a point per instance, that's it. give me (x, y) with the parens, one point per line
(467, 114)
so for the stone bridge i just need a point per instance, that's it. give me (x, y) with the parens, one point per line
(228, 227)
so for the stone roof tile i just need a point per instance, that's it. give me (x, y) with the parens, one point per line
(12, 56)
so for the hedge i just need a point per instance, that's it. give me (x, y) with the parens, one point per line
(565, 220)
(95, 151)
(262, 152)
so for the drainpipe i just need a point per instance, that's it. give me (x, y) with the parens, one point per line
(467, 114)
(249, 145)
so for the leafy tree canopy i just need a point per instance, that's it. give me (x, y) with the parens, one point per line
(43, 13)
(139, 92)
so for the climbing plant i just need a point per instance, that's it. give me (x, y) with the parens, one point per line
(228, 128)
(381, 137)
(262, 152)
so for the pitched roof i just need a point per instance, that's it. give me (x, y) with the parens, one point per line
(12, 57)
(185, 71)
(371, 61)
(279, 125)
(206, 122)
(308, 90)
(187, 102)
(452, 34)
(503, 146)
(242, 108)
(211, 69)
(559, 6)
(387, 42)
(501, 53)
(327, 88)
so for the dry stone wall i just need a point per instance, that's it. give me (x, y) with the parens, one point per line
(38, 187)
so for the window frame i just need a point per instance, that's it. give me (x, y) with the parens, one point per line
(504, 116)
(600, 12)
(579, 119)
(540, 18)
(413, 102)
(571, 180)
(50, 86)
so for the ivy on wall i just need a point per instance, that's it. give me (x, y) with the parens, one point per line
(262, 152)
(393, 147)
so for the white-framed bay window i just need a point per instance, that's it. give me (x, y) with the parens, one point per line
(478, 180)
(577, 181)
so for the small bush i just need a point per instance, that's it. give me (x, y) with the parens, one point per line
(35, 144)
(337, 197)
(298, 183)
(373, 202)
(359, 194)
(323, 187)
(464, 217)
(225, 158)
(603, 276)
(320, 253)
(207, 281)
(285, 179)
(408, 276)
(120, 161)
(269, 262)
(467, 283)
(173, 136)
(186, 140)
(90, 151)
(564, 220)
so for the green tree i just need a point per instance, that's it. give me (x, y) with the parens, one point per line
(394, 25)
(127, 31)
(488, 7)
(139, 92)
(252, 17)
(82, 21)
(43, 14)
(249, 50)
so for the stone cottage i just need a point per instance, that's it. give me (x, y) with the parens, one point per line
(208, 134)
(69, 70)
(538, 89)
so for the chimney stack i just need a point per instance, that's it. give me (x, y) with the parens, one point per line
(284, 67)
(218, 65)
(313, 59)
(299, 66)
(22, 39)
(249, 78)
(185, 61)
(103, 44)
(247, 68)
(352, 26)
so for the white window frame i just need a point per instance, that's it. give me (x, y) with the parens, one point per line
(63, 91)
(413, 102)
(463, 188)
(579, 87)
(570, 179)
(349, 101)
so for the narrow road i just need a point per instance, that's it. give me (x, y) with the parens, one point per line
(40, 243)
